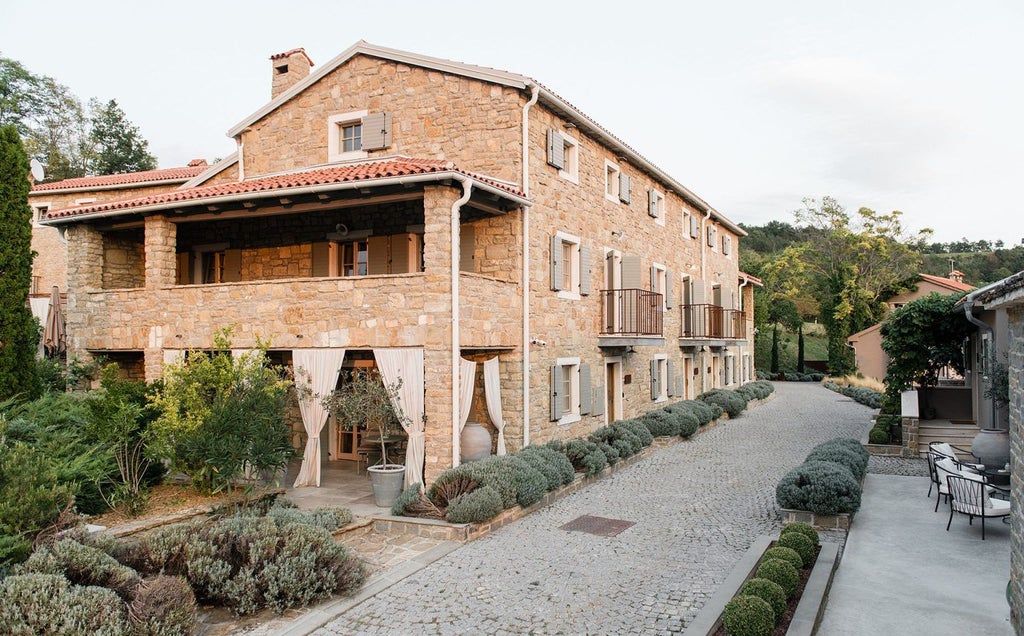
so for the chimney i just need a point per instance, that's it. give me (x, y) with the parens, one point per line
(288, 68)
(956, 275)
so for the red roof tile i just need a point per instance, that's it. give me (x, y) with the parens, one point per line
(127, 178)
(398, 167)
(948, 282)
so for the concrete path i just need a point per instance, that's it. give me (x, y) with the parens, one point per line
(902, 573)
(696, 506)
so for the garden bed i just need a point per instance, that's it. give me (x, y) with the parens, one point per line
(841, 521)
(803, 611)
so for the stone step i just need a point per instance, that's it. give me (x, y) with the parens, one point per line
(961, 435)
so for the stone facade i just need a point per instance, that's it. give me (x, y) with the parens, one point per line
(282, 296)
(1016, 359)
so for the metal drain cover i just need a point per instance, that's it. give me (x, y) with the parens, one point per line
(600, 526)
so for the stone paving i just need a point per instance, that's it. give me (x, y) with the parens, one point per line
(697, 507)
(905, 466)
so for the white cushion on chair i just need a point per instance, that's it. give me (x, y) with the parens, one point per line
(944, 449)
(996, 507)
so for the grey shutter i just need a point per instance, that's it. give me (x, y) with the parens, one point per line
(712, 232)
(631, 272)
(671, 379)
(586, 398)
(556, 384)
(694, 226)
(556, 149)
(467, 248)
(699, 293)
(654, 278)
(655, 380)
(377, 255)
(599, 397)
(727, 245)
(584, 270)
(669, 283)
(652, 203)
(321, 259)
(556, 263)
(232, 266)
(376, 131)
(624, 185)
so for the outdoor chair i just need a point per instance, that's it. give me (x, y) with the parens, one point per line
(945, 467)
(971, 497)
(953, 452)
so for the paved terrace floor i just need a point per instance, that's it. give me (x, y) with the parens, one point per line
(697, 506)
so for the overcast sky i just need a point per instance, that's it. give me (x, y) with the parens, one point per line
(892, 105)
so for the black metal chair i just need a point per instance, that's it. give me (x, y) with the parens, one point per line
(970, 496)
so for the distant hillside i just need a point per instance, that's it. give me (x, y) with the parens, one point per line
(979, 268)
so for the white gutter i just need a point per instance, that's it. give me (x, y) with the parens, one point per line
(467, 190)
(535, 94)
(269, 194)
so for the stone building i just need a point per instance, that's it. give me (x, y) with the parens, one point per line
(392, 202)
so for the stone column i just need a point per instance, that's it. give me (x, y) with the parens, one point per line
(1016, 359)
(85, 274)
(437, 350)
(161, 245)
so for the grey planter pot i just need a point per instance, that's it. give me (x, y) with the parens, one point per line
(992, 447)
(387, 481)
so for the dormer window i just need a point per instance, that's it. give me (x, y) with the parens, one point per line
(351, 135)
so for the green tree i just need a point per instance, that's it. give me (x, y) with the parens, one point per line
(19, 333)
(852, 266)
(19, 95)
(119, 146)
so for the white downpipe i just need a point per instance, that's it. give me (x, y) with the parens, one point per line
(467, 190)
(526, 263)
(740, 350)
(704, 281)
(241, 158)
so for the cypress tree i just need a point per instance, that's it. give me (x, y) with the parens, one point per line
(19, 335)
(800, 350)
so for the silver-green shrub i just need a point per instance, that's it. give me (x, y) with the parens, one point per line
(83, 565)
(483, 504)
(730, 401)
(854, 461)
(554, 459)
(163, 606)
(660, 423)
(824, 488)
(32, 604)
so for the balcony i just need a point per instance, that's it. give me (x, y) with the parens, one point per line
(712, 325)
(632, 317)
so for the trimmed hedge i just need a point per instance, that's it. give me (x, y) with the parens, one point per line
(748, 616)
(483, 504)
(800, 544)
(730, 401)
(842, 455)
(781, 572)
(865, 396)
(805, 529)
(83, 565)
(824, 488)
(769, 591)
(555, 466)
(786, 554)
(661, 423)
(49, 604)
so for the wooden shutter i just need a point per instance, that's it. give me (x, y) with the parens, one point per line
(376, 131)
(671, 377)
(631, 272)
(694, 226)
(655, 381)
(586, 397)
(652, 203)
(232, 266)
(597, 408)
(624, 186)
(467, 248)
(556, 149)
(377, 255)
(402, 252)
(556, 383)
(184, 271)
(584, 270)
(321, 259)
(556, 263)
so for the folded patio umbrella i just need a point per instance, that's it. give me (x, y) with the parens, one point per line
(54, 334)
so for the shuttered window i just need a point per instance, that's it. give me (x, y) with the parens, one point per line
(570, 266)
(586, 397)
(611, 181)
(556, 149)
(656, 206)
(712, 233)
(625, 185)
(376, 131)
(670, 377)
(727, 245)
(565, 390)
(467, 248)
(694, 226)
(659, 377)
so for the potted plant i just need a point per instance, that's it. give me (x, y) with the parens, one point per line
(364, 401)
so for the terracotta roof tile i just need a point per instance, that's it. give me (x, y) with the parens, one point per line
(948, 282)
(126, 178)
(366, 171)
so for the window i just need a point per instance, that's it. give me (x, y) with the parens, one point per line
(212, 267)
(570, 266)
(611, 181)
(345, 136)
(566, 391)
(563, 153)
(39, 211)
(660, 378)
(661, 283)
(712, 233)
(656, 206)
(354, 261)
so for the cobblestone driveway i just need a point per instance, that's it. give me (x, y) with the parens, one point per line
(697, 506)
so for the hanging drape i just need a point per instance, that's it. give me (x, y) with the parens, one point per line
(492, 393)
(407, 364)
(316, 375)
(467, 383)
(40, 309)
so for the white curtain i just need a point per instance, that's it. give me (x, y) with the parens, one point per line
(174, 356)
(492, 393)
(40, 309)
(407, 364)
(316, 375)
(467, 382)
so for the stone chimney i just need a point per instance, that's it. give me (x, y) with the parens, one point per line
(956, 275)
(288, 68)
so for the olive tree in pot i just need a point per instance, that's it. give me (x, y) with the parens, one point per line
(365, 401)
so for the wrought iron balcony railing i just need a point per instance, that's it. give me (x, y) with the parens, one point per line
(632, 312)
(713, 321)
